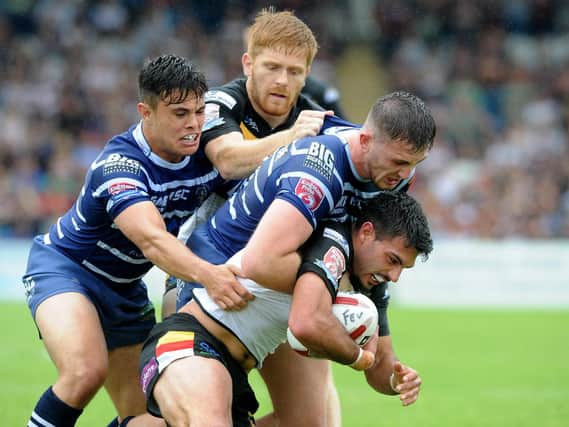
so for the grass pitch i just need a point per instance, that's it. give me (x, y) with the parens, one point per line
(484, 368)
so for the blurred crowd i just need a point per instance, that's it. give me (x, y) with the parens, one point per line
(495, 73)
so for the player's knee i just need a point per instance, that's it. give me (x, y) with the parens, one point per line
(84, 376)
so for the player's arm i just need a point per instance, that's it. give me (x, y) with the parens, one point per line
(143, 225)
(389, 376)
(312, 322)
(270, 257)
(236, 158)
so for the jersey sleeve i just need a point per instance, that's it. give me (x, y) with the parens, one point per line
(326, 254)
(118, 181)
(380, 297)
(223, 111)
(311, 182)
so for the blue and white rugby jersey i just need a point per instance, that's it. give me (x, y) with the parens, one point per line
(314, 174)
(127, 172)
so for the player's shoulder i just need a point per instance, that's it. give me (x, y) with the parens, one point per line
(121, 153)
(230, 95)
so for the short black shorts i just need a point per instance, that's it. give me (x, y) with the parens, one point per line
(178, 326)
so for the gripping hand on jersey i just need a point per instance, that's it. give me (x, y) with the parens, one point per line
(308, 123)
(224, 288)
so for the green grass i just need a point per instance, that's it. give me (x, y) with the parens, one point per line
(479, 368)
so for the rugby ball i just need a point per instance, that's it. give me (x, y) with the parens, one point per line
(355, 311)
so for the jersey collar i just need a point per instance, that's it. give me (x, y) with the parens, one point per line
(154, 158)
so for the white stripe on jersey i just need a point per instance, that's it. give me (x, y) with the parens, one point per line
(108, 276)
(75, 225)
(78, 206)
(120, 255)
(258, 193)
(179, 183)
(178, 213)
(297, 151)
(59, 232)
(244, 205)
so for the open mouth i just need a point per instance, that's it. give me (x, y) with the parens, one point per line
(191, 137)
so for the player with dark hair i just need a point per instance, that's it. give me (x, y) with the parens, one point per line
(300, 184)
(194, 364)
(84, 277)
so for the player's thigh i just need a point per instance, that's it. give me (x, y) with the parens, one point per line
(195, 388)
(296, 384)
(70, 328)
(122, 382)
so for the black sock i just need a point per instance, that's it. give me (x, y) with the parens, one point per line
(125, 421)
(51, 410)
(114, 422)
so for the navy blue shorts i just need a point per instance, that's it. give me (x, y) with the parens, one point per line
(125, 311)
(203, 246)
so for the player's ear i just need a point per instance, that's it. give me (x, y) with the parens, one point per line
(366, 232)
(366, 138)
(143, 109)
(247, 64)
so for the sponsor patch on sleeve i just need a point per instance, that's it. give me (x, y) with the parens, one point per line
(119, 187)
(338, 238)
(221, 97)
(335, 262)
(310, 193)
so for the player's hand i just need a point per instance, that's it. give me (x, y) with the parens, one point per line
(308, 123)
(407, 382)
(225, 289)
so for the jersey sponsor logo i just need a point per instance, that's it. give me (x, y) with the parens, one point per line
(339, 238)
(211, 112)
(148, 373)
(309, 192)
(221, 97)
(212, 118)
(119, 187)
(251, 124)
(335, 262)
(320, 159)
(29, 286)
(200, 193)
(117, 163)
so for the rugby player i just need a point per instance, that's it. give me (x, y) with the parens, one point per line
(312, 179)
(84, 277)
(248, 118)
(194, 365)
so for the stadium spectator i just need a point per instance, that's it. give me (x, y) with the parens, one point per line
(83, 280)
(488, 59)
